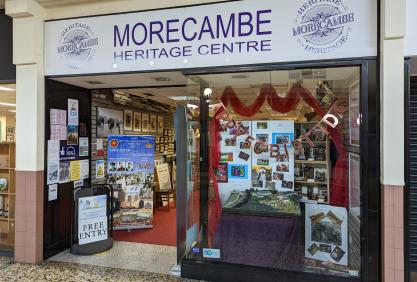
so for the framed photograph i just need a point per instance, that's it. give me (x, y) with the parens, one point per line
(354, 113)
(128, 120)
(222, 173)
(137, 122)
(145, 123)
(160, 124)
(9, 130)
(109, 122)
(9, 138)
(152, 123)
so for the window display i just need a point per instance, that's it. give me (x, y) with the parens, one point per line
(277, 155)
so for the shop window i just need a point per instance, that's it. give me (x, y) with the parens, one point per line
(273, 170)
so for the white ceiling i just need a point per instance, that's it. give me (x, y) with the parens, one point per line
(160, 86)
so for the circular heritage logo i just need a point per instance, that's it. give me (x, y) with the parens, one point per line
(323, 25)
(77, 45)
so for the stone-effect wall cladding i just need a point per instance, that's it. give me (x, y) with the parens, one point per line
(29, 216)
(392, 233)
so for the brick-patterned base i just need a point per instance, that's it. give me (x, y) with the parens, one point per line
(392, 233)
(29, 216)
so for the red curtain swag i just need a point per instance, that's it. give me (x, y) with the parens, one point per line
(338, 191)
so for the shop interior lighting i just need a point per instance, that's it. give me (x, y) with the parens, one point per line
(207, 92)
(8, 104)
(12, 111)
(191, 106)
(3, 88)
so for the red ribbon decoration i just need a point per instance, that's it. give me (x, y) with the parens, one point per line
(338, 189)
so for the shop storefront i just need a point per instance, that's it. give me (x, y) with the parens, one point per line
(283, 119)
(282, 142)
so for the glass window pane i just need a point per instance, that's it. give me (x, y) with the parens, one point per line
(283, 175)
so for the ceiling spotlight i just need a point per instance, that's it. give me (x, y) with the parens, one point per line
(207, 92)
(2, 88)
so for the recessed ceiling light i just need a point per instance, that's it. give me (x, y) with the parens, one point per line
(162, 79)
(3, 88)
(94, 82)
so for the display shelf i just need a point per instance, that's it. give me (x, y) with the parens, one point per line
(309, 168)
(7, 171)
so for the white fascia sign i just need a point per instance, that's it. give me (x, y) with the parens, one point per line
(224, 34)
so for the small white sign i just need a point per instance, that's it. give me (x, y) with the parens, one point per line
(53, 192)
(78, 183)
(92, 230)
(211, 253)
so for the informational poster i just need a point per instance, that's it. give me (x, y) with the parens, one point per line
(326, 233)
(72, 135)
(52, 192)
(53, 150)
(100, 169)
(130, 168)
(58, 132)
(256, 154)
(64, 172)
(75, 170)
(92, 219)
(72, 112)
(99, 147)
(84, 169)
(83, 146)
(53, 161)
(58, 117)
(53, 168)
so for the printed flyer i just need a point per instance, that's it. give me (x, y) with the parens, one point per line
(130, 169)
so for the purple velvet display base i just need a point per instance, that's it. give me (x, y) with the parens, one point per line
(274, 242)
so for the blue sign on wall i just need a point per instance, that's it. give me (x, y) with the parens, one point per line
(130, 154)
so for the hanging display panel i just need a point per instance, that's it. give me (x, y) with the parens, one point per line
(326, 233)
(131, 172)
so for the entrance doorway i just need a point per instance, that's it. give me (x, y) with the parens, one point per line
(144, 204)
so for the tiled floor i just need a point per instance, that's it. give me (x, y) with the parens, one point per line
(77, 271)
(126, 255)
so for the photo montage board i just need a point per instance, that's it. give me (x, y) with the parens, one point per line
(326, 233)
(130, 169)
(256, 154)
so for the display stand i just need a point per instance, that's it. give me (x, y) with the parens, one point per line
(314, 187)
(92, 223)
